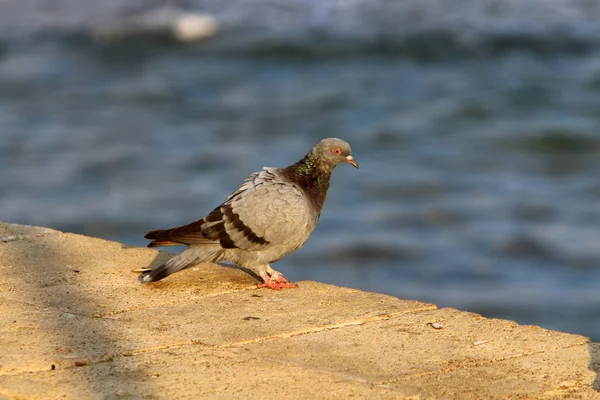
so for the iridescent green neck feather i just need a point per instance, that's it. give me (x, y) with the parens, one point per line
(313, 177)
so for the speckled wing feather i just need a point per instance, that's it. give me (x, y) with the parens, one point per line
(186, 234)
(265, 211)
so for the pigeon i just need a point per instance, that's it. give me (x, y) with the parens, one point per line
(269, 216)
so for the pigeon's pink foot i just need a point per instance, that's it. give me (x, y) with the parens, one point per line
(275, 281)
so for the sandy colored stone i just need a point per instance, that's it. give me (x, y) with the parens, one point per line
(12, 232)
(75, 323)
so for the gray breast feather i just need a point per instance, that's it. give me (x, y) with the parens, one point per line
(265, 211)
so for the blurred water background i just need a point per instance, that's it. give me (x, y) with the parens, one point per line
(476, 124)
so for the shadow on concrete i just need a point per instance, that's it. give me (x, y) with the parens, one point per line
(156, 263)
(244, 269)
(49, 277)
(595, 364)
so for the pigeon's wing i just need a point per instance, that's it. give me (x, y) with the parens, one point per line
(181, 235)
(265, 211)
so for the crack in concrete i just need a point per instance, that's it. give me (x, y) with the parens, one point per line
(469, 364)
(83, 361)
(102, 358)
(285, 335)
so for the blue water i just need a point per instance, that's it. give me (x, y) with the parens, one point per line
(477, 129)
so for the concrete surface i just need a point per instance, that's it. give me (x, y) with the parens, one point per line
(76, 324)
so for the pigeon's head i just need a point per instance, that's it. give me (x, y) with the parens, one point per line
(333, 151)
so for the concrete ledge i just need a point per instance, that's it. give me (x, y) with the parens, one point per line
(75, 323)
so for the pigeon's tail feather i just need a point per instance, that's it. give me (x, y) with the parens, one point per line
(191, 256)
(153, 234)
(158, 241)
(180, 236)
(161, 243)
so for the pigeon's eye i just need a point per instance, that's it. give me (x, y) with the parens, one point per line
(337, 151)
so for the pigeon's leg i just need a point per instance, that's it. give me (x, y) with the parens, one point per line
(274, 279)
(278, 276)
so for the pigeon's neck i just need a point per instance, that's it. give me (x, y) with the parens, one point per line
(313, 177)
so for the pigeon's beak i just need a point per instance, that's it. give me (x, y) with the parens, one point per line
(350, 160)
